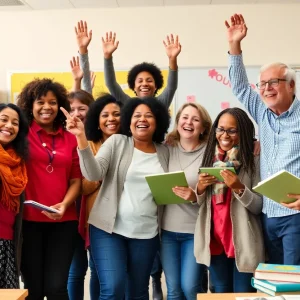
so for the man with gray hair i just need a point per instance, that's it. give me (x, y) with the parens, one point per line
(276, 110)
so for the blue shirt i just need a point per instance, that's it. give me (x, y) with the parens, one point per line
(279, 135)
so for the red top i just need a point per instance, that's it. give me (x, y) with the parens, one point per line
(7, 221)
(50, 188)
(221, 232)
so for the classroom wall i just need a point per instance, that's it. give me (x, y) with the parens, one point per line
(45, 40)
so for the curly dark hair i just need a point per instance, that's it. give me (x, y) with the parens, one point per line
(159, 110)
(145, 67)
(246, 133)
(38, 88)
(83, 96)
(20, 143)
(92, 118)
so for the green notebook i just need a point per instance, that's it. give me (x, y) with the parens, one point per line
(277, 186)
(161, 187)
(216, 171)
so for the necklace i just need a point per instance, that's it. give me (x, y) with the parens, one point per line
(51, 153)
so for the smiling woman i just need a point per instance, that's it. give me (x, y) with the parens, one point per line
(54, 179)
(124, 218)
(13, 179)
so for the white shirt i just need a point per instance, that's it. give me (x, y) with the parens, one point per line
(137, 211)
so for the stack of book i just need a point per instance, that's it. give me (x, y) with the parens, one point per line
(276, 280)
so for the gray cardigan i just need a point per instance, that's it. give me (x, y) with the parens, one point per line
(111, 164)
(165, 97)
(247, 230)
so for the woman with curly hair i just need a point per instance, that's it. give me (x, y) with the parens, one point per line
(144, 79)
(124, 218)
(54, 179)
(13, 179)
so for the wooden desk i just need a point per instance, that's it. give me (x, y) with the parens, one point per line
(228, 296)
(13, 294)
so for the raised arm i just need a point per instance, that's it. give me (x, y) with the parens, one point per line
(109, 46)
(236, 32)
(83, 38)
(77, 74)
(173, 48)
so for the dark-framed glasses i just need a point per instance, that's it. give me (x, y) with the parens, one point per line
(272, 82)
(230, 132)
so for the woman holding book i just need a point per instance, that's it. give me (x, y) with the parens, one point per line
(54, 179)
(124, 218)
(187, 144)
(228, 234)
(13, 179)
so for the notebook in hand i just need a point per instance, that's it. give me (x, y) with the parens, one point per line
(216, 171)
(277, 186)
(41, 206)
(161, 187)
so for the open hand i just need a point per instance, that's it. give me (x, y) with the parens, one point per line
(172, 46)
(83, 37)
(77, 73)
(109, 44)
(237, 29)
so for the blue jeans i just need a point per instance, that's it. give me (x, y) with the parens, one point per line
(226, 278)
(118, 258)
(77, 274)
(183, 273)
(282, 239)
(156, 268)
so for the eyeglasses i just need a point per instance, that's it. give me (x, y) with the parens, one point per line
(272, 82)
(230, 132)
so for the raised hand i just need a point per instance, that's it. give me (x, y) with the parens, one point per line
(73, 124)
(109, 44)
(83, 36)
(237, 29)
(77, 73)
(172, 46)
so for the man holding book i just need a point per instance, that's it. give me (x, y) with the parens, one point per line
(276, 110)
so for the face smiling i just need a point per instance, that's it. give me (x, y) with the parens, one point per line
(9, 125)
(277, 98)
(189, 124)
(78, 109)
(226, 142)
(144, 85)
(109, 120)
(45, 110)
(143, 123)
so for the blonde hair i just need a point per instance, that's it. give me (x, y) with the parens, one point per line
(173, 137)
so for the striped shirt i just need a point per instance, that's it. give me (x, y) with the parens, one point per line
(279, 135)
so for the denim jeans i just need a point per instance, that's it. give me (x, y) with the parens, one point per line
(78, 271)
(156, 270)
(183, 273)
(118, 258)
(226, 278)
(282, 239)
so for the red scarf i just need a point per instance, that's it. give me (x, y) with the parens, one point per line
(13, 178)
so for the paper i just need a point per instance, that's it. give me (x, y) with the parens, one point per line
(225, 105)
(190, 98)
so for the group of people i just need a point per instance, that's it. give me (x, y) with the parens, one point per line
(88, 159)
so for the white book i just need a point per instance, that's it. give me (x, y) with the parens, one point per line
(41, 206)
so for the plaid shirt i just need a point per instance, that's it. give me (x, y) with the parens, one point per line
(279, 135)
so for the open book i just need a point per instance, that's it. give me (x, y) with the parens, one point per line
(277, 186)
(161, 187)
